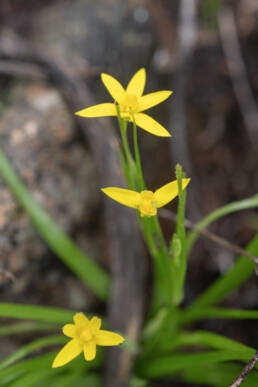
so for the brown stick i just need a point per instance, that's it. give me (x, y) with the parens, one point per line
(210, 235)
(127, 257)
(248, 368)
(238, 73)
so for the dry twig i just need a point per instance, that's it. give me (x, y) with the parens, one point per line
(248, 368)
(210, 235)
(238, 73)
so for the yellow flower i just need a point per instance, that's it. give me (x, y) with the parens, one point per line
(131, 103)
(146, 202)
(86, 335)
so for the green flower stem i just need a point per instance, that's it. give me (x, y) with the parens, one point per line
(150, 227)
(127, 159)
(142, 186)
(160, 236)
(162, 278)
(179, 263)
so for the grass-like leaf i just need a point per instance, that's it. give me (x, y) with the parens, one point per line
(31, 347)
(31, 379)
(77, 261)
(22, 327)
(12, 372)
(35, 312)
(232, 280)
(163, 366)
(193, 314)
(219, 213)
(217, 375)
(75, 379)
(211, 340)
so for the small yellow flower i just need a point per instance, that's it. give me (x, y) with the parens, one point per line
(131, 103)
(146, 202)
(86, 335)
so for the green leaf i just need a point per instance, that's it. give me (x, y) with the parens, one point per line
(32, 378)
(75, 379)
(12, 372)
(210, 339)
(21, 327)
(193, 314)
(83, 266)
(31, 347)
(44, 362)
(218, 375)
(220, 212)
(230, 281)
(164, 366)
(35, 312)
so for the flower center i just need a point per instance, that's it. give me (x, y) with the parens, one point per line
(147, 206)
(128, 105)
(86, 335)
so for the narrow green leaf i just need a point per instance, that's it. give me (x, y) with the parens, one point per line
(84, 267)
(31, 347)
(75, 379)
(31, 379)
(193, 314)
(44, 362)
(16, 370)
(220, 212)
(35, 312)
(167, 365)
(212, 340)
(230, 281)
(217, 375)
(22, 327)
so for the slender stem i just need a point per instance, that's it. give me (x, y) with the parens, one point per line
(180, 264)
(249, 366)
(160, 235)
(138, 158)
(128, 166)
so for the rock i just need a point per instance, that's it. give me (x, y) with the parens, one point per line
(38, 137)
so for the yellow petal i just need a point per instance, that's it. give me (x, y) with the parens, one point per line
(168, 192)
(81, 319)
(101, 110)
(108, 338)
(137, 83)
(115, 88)
(69, 330)
(95, 323)
(150, 125)
(124, 196)
(152, 99)
(89, 350)
(67, 353)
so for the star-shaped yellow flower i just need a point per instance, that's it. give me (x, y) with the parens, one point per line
(146, 202)
(86, 335)
(131, 103)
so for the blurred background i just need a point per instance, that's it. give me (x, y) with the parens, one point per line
(206, 52)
